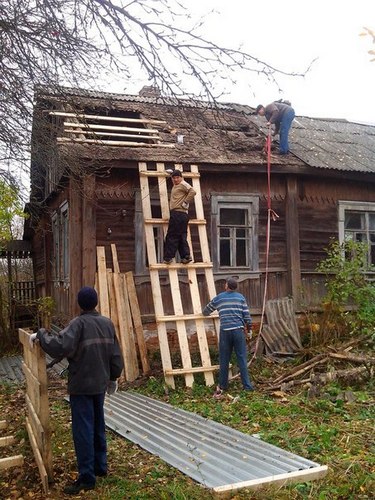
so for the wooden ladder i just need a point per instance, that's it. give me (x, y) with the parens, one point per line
(175, 270)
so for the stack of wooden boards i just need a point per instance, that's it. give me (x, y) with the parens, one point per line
(118, 301)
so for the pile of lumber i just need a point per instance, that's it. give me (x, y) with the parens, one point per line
(333, 364)
(118, 301)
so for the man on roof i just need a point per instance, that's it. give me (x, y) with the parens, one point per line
(281, 115)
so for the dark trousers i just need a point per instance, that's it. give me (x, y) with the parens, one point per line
(176, 238)
(90, 443)
(229, 340)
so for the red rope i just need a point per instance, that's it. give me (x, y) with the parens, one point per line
(271, 215)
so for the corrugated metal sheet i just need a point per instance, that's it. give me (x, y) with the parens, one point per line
(334, 144)
(11, 370)
(214, 455)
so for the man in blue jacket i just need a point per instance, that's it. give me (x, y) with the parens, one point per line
(234, 319)
(89, 343)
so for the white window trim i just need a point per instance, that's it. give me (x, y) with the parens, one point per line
(358, 206)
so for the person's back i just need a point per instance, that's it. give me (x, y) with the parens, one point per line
(89, 344)
(232, 308)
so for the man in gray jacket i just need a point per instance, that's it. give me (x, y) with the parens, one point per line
(89, 343)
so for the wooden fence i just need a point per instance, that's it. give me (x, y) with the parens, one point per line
(37, 419)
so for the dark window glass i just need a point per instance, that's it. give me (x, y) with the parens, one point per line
(233, 216)
(354, 220)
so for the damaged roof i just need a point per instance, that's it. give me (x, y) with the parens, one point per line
(227, 133)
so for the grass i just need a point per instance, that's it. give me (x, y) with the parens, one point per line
(327, 430)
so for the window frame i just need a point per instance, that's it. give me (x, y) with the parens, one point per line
(249, 202)
(60, 237)
(354, 206)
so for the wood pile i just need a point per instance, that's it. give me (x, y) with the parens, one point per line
(326, 367)
(118, 301)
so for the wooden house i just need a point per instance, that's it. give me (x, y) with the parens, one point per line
(85, 192)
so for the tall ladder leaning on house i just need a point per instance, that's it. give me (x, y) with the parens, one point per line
(175, 271)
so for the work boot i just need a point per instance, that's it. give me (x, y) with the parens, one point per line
(77, 486)
(186, 260)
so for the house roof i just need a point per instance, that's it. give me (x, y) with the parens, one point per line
(230, 133)
(334, 144)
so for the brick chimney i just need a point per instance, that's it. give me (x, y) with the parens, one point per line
(149, 91)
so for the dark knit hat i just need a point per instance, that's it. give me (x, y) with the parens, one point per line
(232, 284)
(258, 108)
(176, 173)
(87, 298)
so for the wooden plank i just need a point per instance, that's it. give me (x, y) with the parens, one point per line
(38, 458)
(195, 369)
(7, 462)
(3, 424)
(137, 321)
(98, 133)
(33, 386)
(125, 320)
(134, 368)
(201, 330)
(114, 143)
(114, 315)
(123, 328)
(36, 425)
(7, 440)
(102, 282)
(186, 317)
(181, 327)
(44, 415)
(299, 476)
(90, 126)
(107, 118)
(155, 173)
(166, 221)
(175, 265)
(163, 192)
(203, 239)
(116, 266)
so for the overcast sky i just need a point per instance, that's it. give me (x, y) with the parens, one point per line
(289, 35)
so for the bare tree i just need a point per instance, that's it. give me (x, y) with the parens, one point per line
(73, 42)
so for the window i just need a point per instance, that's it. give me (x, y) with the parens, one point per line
(60, 233)
(234, 232)
(357, 223)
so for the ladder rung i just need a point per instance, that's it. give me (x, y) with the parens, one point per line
(185, 317)
(192, 265)
(195, 369)
(166, 221)
(155, 173)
